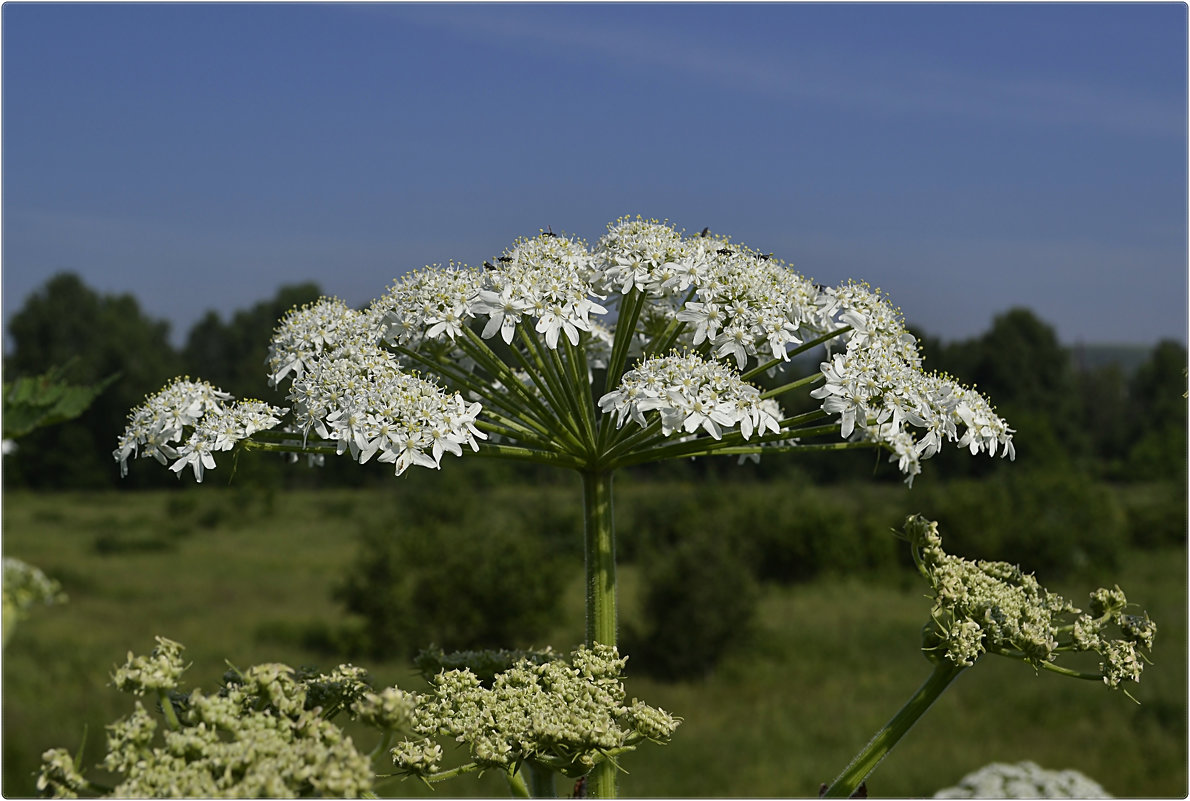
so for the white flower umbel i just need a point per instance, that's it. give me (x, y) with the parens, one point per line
(188, 422)
(880, 392)
(358, 397)
(575, 332)
(1023, 780)
(690, 393)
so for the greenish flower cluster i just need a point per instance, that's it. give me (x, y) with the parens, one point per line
(1023, 780)
(563, 717)
(159, 671)
(266, 733)
(25, 587)
(994, 607)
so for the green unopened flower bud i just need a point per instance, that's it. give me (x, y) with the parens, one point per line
(417, 757)
(58, 777)
(389, 710)
(157, 672)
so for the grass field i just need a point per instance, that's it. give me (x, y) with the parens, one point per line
(223, 571)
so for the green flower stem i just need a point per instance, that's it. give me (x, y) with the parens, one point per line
(749, 450)
(630, 308)
(253, 444)
(167, 710)
(509, 429)
(442, 776)
(541, 780)
(626, 439)
(877, 749)
(667, 338)
(600, 551)
(1050, 666)
(509, 407)
(548, 377)
(477, 349)
(579, 383)
(732, 442)
(564, 393)
(520, 454)
(516, 783)
(801, 382)
(802, 348)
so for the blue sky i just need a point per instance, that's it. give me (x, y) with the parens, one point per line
(967, 158)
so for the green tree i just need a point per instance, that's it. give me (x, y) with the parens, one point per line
(1157, 414)
(1020, 362)
(66, 321)
(232, 354)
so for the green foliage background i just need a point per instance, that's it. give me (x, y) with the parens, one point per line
(243, 575)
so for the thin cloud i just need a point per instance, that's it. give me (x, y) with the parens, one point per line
(853, 80)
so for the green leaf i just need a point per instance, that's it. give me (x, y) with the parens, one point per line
(33, 402)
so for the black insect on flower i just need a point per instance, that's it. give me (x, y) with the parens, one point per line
(723, 251)
(705, 232)
(489, 266)
(549, 231)
(504, 259)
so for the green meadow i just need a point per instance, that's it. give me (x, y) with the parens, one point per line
(238, 575)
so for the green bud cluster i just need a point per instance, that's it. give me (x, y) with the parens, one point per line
(564, 717)
(994, 607)
(26, 586)
(266, 733)
(157, 672)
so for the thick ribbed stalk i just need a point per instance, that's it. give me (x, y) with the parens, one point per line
(600, 550)
(877, 749)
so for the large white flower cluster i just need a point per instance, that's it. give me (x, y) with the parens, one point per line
(357, 395)
(431, 304)
(546, 279)
(880, 391)
(1023, 780)
(304, 332)
(188, 422)
(562, 311)
(690, 393)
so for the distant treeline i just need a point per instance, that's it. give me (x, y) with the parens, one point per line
(1109, 416)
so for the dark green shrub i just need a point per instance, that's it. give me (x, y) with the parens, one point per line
(1156, 514)
(1049, 522)
(699, 602)
(454, 571)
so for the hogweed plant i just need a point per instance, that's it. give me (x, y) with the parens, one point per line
(648, 346)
